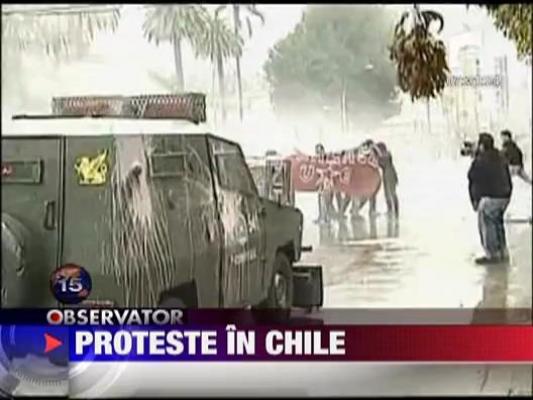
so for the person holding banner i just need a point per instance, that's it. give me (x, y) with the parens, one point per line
(325, 192)
(390, 178)
(358, 203)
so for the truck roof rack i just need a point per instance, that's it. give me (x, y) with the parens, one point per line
(187, 106)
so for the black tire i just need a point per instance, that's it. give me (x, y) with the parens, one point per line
(280, 294)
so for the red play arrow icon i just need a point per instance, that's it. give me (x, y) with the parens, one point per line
(52, 343)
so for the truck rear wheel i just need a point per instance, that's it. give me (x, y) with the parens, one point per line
(281, 290)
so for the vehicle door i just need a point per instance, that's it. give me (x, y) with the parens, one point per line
(242, 218)
(32, 170)
(180, 173)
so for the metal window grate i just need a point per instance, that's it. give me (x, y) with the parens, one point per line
(189, 106)
(88, 106)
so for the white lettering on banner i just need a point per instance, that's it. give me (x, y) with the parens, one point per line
(123, 342)
(99, 316)
(367, 157)
(304, 343)
(83, 339)
(176, 347)
(273, 345)
(102, 343)
(345, 175)
(307, 172)
(239, 342)
(337, 343)
(133, 343)
(157, 341)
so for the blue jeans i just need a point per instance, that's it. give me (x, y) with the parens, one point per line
(491, 228)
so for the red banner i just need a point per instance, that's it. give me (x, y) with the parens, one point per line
(355, 173)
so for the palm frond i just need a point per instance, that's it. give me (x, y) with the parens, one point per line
(218, 40)
(56, 33)
(166, 22)
(220, 9)
(249, 26)
(252, 9)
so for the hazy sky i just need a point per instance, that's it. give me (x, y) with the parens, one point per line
(122, 62)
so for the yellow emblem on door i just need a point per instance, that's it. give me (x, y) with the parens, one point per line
(92, 171)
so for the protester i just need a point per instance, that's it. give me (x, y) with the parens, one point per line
(358, 202)
(514, 156)
(343, 199)
(490, 189)
(390, 178)
(325, 191)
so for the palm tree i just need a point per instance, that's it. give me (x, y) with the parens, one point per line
(57, 31)
(175, 23)
(251, 11)
(218, 43)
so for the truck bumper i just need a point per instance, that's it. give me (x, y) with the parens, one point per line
(308, 288)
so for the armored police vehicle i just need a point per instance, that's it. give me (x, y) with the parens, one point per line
(159, 211)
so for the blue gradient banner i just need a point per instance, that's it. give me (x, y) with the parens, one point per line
(19, 341)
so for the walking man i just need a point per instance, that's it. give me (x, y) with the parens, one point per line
(514, 156)
(490, 189)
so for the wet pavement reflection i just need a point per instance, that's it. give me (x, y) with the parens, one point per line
(424, 259)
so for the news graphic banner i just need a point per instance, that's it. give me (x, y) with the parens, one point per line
(354, 172)
(100, 335)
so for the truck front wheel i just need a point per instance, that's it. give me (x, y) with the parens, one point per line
(280, 293)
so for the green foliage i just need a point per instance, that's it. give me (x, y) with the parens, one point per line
(327, 54)
(173, 24)
(165, 23)
(516, 23)
(420, 57)
(248, 10)
(218, 41)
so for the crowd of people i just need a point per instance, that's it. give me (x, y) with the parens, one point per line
(328, 196)
(490, 188)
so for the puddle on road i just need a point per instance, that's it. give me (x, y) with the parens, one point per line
(424, 260)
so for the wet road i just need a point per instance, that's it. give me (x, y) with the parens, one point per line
(425, 260)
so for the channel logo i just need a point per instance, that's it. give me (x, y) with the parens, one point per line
(115, 316)
(70, 284)
(54, 317)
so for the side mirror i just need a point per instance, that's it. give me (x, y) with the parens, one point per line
(308, 289)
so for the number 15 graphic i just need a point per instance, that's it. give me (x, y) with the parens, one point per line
(71, 285)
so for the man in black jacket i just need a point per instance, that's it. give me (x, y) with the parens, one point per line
(514, 156)
(490, 189)
(390, 178)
